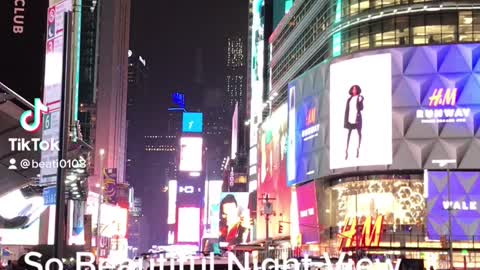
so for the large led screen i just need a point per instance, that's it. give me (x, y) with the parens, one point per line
(464, 202)
(272, 163)
(234, 218)
(187, 218)
(361, 111)
(20, 218)
(191, 151)
(409, 106)
(308, 213)
(192, 122)
(399, 200)
(307, 126)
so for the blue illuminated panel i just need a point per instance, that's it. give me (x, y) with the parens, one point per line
(192, 122)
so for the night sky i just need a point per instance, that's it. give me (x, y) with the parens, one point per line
(167, 34)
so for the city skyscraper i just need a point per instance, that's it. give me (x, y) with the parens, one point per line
(112, 86)
(235, 72)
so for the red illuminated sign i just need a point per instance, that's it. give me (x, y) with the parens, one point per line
(369, 236)
(443, 98)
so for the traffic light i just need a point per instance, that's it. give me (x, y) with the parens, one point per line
(280, 228)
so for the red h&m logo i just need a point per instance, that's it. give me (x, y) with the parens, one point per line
(369, 237)
(311, 116)
(447, 98)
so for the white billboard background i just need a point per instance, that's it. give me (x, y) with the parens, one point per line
(191, 151)
(374, 76)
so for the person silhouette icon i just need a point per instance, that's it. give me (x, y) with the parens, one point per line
(12, 164)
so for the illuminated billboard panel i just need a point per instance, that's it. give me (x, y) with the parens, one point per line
(413, 106)
(234, 218)
(464, 202)
(361, 112)
(307, 125)
(308, 213)
(191, 152)
(20, 221)
(272, 164)
(188, 225)
(256, 71)
(192, 122)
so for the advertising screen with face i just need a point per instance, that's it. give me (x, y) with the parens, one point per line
(234, 217)
(361, 112)
(191, 150)
(272, 169)
(464, 202)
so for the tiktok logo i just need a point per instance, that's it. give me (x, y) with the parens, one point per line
(38, 110)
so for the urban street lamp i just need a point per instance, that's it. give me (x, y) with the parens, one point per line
(442, 163)
(100, 200)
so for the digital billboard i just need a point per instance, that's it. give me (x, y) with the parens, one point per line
(23, 45)
(20, 221)
(308, 213)
(234, 218)
(307, 125)
(256, 70)
(272, 162)
(464, 202)
(52, 93)
(361, 111)
(188, 225)
(423, 104)
(192, 122)
(399, 201)
(234, 142)
(191, 154)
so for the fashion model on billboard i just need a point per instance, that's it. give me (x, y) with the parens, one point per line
(353, 116)
(232, 228)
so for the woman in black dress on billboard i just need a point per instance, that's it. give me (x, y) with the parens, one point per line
(353, 116)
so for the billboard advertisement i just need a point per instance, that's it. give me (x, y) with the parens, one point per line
(20, 221)
(52, 93)
(234, 142)
(399, 201)
(361, 112)
(191, 154)
(190, 191)
(23, 45)
(192, 122)
(307, 125)
(308, 213)
(188, 225)
(272, 162)
(256, 73)
(464, 202)
(110, 186)
(234, 218)
(413, 106)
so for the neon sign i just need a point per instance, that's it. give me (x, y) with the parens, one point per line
(443, 108)
(312, 129)
(369, 237)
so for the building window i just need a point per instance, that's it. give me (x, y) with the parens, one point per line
(418, 28)
(465, 26)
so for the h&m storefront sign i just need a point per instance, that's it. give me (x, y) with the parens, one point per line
(443, 108)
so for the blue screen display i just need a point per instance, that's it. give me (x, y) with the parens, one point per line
(464, 202)
(192, 122)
